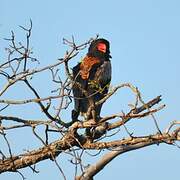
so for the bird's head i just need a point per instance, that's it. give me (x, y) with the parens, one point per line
(99, 48)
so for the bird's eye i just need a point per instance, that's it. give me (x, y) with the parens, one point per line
(101, 47)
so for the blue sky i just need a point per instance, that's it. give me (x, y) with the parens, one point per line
(145, 49)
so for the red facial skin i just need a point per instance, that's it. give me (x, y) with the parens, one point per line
(101, 47)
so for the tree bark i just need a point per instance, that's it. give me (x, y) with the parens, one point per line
(123, 147)
(47, 152)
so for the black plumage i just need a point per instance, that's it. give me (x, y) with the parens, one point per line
(91, 78)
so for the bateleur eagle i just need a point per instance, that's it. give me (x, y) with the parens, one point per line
(91, 79)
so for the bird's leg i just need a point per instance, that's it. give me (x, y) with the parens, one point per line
(74, 115)
(75, 112)
(93, 112)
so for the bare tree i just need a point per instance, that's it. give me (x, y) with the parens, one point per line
(19, 69)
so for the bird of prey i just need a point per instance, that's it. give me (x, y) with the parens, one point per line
(91, 79)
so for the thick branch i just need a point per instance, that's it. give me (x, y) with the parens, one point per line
(123, 146)
(47, 152)
(92, 170)
(69, 140)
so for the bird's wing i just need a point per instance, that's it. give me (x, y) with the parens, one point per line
(80, 101)
(103, 74)
(76, 78)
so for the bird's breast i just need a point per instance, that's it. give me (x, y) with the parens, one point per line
(87, 65)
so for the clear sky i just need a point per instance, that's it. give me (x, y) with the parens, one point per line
(145, 49)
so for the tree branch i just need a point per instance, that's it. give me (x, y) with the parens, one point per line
(47, 152)
(123, 146)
